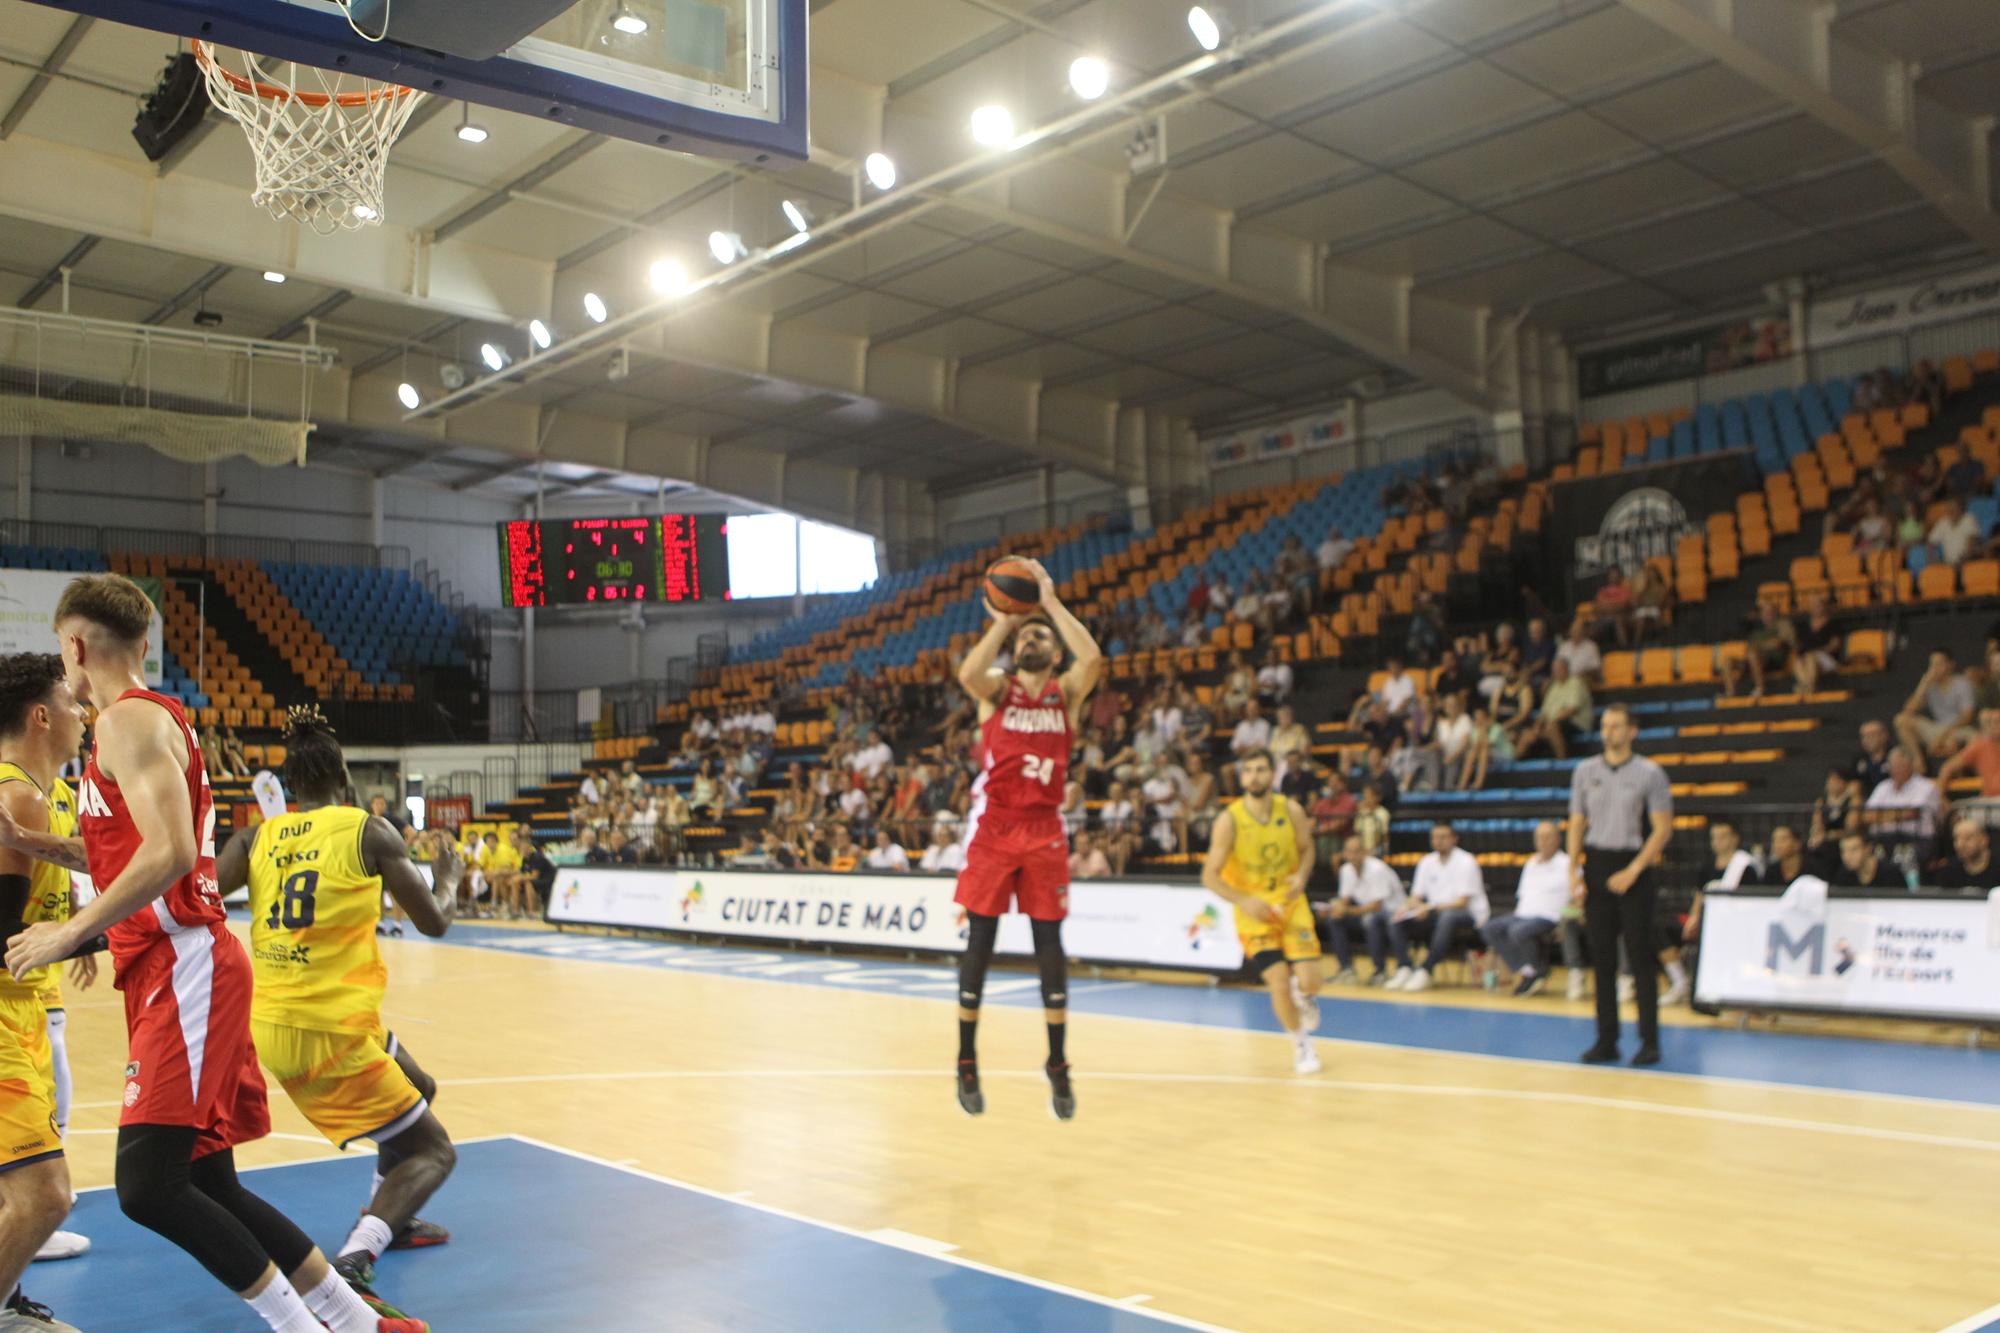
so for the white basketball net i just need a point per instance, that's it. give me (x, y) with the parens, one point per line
(321, 138)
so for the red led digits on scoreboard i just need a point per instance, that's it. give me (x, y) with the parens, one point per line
(680, 559)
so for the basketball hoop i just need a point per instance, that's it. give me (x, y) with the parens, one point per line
(322, 150)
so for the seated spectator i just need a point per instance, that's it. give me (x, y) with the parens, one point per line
(1253, 733)
(1872, 765)
(872, 760)
(1565, 715)
(1455, 676)
(945, 855)
(590, 791)
(1772, 642)
(1970, 866)
(1514, 709)
(1956, 533)
(620, 850)
(1369, 894)
(1398, 690)
(1500, 661)
(1538, 654)
(1838, 807)
(1119, 820)
(842, 854)
(1981, 758)
(1491, 744)
(1734, 867)
(1519, 937)
(1788, 860)
(1088, 860)
(1371, 821)
(1274, 681)
(1580, 653)
(1197, 720)
(1937, 718)
(1239, 688)
(1447, 894)
(1165, 811)
(1872, 530)
(1453, 737)
(1376, 772)
(1904, 808)
(1862, 865)
(1374, 723)
(1820, 645)
(1334, 550)
(1332, 811)
(1614, 605)
(1652, 603)
(1290, 742)
(887, 854)
(704, 792)
(1426, 630)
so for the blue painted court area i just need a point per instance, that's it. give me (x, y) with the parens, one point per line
(1946, 1073)
(543, 1240)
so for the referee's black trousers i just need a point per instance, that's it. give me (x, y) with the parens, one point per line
(1609, 916)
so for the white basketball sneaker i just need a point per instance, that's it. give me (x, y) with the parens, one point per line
(1305, 1060)
(63, 1245)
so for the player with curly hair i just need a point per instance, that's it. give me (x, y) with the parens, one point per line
(316, 878)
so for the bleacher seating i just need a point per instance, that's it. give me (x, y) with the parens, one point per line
(375, 619)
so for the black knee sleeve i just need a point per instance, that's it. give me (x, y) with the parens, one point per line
(1050, 961)
(277, 1235)
(982, 931)
(156, 1191)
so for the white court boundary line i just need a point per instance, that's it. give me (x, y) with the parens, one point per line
(1592, 1071)
(303, 1161)
(1076, 1293)
(1545, 1096)
(1973, 1323)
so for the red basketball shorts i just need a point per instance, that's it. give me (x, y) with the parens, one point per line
(1016, 861)
(191, 1061)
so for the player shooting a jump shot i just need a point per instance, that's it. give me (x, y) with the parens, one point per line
(1017, 850)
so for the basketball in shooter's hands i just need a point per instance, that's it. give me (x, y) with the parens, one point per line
(1011, 586)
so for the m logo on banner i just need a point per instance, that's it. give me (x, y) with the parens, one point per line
(1781, 941)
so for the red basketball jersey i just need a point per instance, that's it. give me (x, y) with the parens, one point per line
(1026, 743)
(110, 839)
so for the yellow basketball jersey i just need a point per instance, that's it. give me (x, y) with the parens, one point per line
(1265, 854)
(313, 911)
(48, 884)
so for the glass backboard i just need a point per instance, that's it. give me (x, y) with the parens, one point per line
(723, 78)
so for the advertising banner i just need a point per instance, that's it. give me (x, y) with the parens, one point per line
(1683, 355)
(1629, 516)
(1321, 430)
(1908, 956)
(1155, 925)
(1839, 319)
(27, 616)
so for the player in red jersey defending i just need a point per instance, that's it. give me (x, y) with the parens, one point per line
(192, 1088)
(1018, 850)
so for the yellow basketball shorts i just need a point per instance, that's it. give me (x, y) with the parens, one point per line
(1294, 936)
(346, 1083)
(51, 992)
(27, 1084)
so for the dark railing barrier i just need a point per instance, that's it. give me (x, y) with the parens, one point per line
(228, 546)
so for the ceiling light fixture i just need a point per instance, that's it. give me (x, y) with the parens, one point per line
(494, 358)
(629, 23)
(726, 246)
(468, 131)
(669, 277)
(798, 215)
(881, 171)
(992, 126)
(593, 305)
(406, 392)
(540, 333)
(1209, 26)
(1089, 77)
(272, 275)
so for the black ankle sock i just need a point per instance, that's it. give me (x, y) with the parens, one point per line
(966, 1029)
(1057, 1031)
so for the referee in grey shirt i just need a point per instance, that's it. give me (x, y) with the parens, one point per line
(1621, 813)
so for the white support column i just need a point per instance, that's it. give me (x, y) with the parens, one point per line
(209, 507)
(24, 478)
(375, 512)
